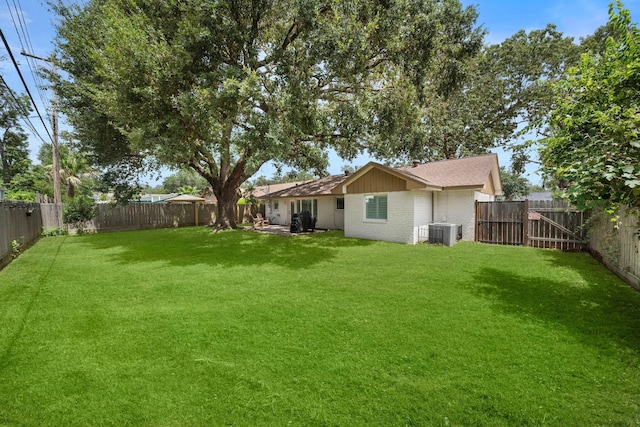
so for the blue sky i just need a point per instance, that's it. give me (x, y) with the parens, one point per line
(501, 18)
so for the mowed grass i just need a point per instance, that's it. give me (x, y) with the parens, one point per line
(187, 327)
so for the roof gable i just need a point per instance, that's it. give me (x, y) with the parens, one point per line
(480, 173)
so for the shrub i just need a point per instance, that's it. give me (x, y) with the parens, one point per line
(57, 231)
(78, 212)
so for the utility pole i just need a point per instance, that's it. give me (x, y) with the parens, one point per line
(57, 195)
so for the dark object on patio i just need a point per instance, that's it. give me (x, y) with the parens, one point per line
(308, 222)
(296, 224)
(302, 222)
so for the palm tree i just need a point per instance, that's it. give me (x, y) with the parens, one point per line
(188, 189)
(74, 167)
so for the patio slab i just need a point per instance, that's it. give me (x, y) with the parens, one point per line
(280, 230)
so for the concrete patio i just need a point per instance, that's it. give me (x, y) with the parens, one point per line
(280, 230)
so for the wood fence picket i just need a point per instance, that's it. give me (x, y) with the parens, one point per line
(540, 224)
(20, 222)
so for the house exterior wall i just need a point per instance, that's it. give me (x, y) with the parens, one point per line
(277, 216)
(422, 212)
(400, 224)
(328, 216)
(458, 207)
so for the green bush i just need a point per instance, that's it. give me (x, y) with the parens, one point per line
(78, 212)
(57, 231)
(19, 195)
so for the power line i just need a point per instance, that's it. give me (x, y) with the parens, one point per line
(25, 113)
(27, 45)
(15, 64)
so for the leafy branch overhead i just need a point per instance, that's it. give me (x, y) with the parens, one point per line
(594, 149)
(223, 87)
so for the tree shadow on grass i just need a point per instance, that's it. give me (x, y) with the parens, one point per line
(230, 248)
(598, 309)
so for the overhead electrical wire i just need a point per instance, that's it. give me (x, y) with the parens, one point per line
(27, 45)
(24, 112)
(15, 64)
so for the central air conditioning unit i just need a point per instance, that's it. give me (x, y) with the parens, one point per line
(444, 234)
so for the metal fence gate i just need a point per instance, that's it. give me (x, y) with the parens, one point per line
(540, 224)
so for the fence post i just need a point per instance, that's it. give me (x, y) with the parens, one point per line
(477, 214)
(525, 223)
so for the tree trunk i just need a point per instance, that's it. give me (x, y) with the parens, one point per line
(227, 198)
(6, 177)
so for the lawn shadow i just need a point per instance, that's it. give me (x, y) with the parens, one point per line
(229, 248)
(597, 310)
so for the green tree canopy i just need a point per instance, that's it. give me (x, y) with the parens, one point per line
(224, 86)
(14, 148)
(278, 178)
(500, 94)
(594, 149)
(515, 185)
(185, 178)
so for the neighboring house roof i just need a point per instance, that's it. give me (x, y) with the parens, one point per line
(537, 196)
(318, 187)
(264, 191)
(466, 173)
(184, 198)
(155, 198)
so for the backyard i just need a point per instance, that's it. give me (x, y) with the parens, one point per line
(188, 327)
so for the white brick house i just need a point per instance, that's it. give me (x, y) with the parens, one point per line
(394, 204)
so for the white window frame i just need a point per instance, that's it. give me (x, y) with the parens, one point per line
(373, 196)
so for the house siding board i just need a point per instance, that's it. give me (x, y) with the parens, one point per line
(489, 188)
(376, 181)
(327, 213)
(458, 207)
(399, 226)
(422, 212)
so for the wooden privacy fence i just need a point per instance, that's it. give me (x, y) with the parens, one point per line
(540, 224)
(617, 244)
(139, 216)
(51, 215)
(20, 222)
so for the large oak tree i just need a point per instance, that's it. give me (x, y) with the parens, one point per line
(224, 86)
(498, 95)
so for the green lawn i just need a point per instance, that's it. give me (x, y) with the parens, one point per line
(186, 327)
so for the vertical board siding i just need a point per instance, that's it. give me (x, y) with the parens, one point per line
(20, 222)
(617, 244)
(540, 224)
(377, 181)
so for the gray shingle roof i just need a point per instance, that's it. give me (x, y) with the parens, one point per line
(318, 187)
(465, 172)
